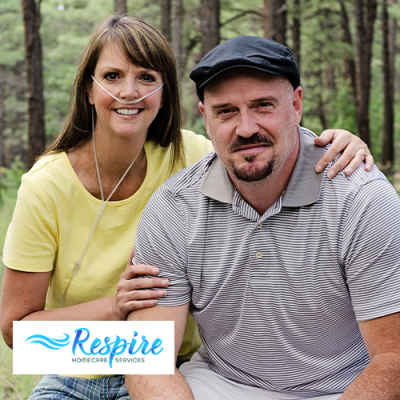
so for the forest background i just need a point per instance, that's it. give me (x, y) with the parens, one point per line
(346, 51)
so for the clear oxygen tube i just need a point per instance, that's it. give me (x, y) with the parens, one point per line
(126, 101)
(104, 202)
(103, 206)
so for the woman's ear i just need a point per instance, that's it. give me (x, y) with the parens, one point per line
(90, 94)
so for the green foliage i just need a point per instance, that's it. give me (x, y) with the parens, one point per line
(11, 34)
(65, 31)
(12, 387)
(10, 179)
(199, 127)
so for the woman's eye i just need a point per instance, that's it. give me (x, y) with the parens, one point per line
(111, 76)
(148, 78)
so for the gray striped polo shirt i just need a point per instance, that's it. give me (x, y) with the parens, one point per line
(277, 297)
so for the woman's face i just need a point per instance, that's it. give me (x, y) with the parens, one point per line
(126, 81)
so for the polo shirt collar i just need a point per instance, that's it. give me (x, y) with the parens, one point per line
(304, 186)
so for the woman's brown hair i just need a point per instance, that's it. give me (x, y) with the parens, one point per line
(143, 46)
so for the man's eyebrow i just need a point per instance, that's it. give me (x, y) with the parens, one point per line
(268, 98)
(221, 106)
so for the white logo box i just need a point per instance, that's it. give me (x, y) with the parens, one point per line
(93, 347)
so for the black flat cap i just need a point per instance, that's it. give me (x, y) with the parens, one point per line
(246, 51)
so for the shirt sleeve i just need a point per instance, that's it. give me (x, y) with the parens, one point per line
(31, 241)
(371, 251)
(160, 241)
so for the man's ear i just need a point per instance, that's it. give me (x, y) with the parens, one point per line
(297, 101)
(202, 109)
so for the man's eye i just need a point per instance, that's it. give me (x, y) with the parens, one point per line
(265, 104)
(224, 112)
(111, 76)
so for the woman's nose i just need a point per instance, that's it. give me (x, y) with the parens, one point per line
(129, 90)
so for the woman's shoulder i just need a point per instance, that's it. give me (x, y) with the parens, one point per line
(190, 137)
(46, 169)
(195, 146)
(46, 162)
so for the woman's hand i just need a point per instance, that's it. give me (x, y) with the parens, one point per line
(131, 289)
(355, 151)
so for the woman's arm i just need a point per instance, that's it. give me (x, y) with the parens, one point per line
(23, 298)
(355, 151)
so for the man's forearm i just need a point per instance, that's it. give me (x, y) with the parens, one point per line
(158, 387)
(380, 380)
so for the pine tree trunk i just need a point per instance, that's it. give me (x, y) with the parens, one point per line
(275, 20)
(178, 14)
(120, 7)
(365, 13)
(166, 19)
(33, 54)
(388, 52)
(350, 65)
(296, 32)
(209, 25)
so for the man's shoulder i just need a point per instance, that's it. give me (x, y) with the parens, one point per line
(342, 186)
(307, 132)
(360, 189)
(358, 178)
(190, 177)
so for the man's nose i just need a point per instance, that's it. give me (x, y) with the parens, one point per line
(247, 125)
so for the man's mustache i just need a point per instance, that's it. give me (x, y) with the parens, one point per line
(255, 139)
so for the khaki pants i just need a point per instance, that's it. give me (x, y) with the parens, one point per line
(208, 385)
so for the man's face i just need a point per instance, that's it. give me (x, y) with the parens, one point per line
(251, 119)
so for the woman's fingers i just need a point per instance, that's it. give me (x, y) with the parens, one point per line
(361, 155)
(144, 283)
(325, 137)
(133, 289)
(144, 295)
(369, 162)
(127, 301)
(138, 305)
(355, 151)
(133, 271)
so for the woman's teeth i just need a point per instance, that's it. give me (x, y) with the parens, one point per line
(126, 111)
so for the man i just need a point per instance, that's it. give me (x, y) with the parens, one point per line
(292, 277)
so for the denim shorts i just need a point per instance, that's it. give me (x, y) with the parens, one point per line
(61, 387)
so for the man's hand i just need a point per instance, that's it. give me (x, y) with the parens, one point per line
(131, 289)
(380, 380)
(355, 151)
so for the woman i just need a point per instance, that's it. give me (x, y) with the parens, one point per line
(78, 207)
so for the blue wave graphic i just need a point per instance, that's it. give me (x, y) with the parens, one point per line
(50, 343)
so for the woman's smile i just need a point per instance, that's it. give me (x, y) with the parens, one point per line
(115, 74)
